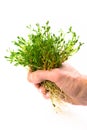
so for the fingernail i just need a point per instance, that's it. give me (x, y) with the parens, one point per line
(40, 90)
(47, 95)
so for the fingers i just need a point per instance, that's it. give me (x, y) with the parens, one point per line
(43, 91)
(37, 76)
(41, 75)
(47, 95)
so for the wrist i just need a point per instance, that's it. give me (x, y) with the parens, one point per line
(82, 90)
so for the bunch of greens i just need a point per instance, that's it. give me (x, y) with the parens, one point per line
(44, 50)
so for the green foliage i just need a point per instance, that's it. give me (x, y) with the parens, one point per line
(44, 50)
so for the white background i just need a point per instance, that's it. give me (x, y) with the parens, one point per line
(22, 107)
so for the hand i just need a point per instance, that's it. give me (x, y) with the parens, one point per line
(65, 77)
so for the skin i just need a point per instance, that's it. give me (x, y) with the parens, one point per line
(70, 81)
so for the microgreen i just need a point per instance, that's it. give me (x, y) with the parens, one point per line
(45, 50)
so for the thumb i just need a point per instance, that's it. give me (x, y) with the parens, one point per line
(38, 76)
